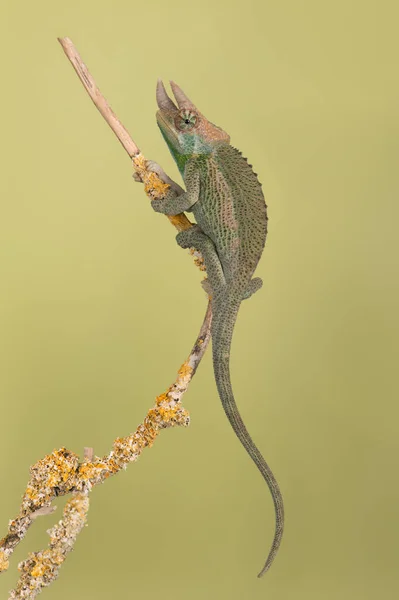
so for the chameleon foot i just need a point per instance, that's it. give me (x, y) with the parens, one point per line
(193, 237)
(254, 285)
(206, 286)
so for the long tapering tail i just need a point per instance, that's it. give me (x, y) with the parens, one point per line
(225, 312)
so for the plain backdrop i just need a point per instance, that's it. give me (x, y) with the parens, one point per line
(99, 307)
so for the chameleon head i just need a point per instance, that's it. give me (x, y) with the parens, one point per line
(185, 129)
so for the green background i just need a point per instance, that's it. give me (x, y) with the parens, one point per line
(99, 306)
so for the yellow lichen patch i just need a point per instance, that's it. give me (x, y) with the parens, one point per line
(30, 492)
(112, 466)
(39, 569)
(198, 259)
(200, 264)
(180, 222)
(151, 417)
(166, 413)
(56, 467)
(185, 370)
(149, 432)
(139, 162)
(4, 564)
(65, 462)
(161, 398)
(154, 186)
(92, 470)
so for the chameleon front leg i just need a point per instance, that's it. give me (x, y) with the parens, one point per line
(176, 199)
(154, 167)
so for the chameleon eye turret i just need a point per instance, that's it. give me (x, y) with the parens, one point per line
(187, 120)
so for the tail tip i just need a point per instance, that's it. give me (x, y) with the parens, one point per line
(266, 567)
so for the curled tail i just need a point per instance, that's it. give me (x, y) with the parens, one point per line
(225, 312)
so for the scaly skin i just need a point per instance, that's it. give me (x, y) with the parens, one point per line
(226, 199)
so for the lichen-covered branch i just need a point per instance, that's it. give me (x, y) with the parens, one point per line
(40, 569)
(97, 97)
(61, 472)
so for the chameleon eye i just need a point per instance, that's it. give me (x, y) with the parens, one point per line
(186, 120)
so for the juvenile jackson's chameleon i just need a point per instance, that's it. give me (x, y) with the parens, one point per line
(226, 199)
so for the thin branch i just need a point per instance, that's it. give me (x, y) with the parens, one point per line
(154, 187)
(40, 569)
(83, 73)
(61, 472)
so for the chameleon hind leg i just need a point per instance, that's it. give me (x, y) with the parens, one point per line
(196, 238)
(253, 286)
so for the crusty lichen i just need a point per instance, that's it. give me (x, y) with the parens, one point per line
(61, 472)
(40, 569)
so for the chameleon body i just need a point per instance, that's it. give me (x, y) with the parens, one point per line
(226, 198)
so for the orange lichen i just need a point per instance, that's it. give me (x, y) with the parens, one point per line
(39, 569)
(180, 221)
(91, 470)
(153, 185)
(139, 162)
(185, 370)
(161, 398)
(61, 472)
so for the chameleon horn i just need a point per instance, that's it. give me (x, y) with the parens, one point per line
(163, 100)
(181, 98)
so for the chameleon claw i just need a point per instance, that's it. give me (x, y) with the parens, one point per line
(154, 167)
(137, 177)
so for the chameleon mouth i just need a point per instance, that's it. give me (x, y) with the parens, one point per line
(165, 126)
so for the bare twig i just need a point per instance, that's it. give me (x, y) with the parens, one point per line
(61, 472)
(43, 512)
(97, 97)
(154, 187)
(88, 454)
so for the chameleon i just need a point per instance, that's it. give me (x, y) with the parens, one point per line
(225, 197)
